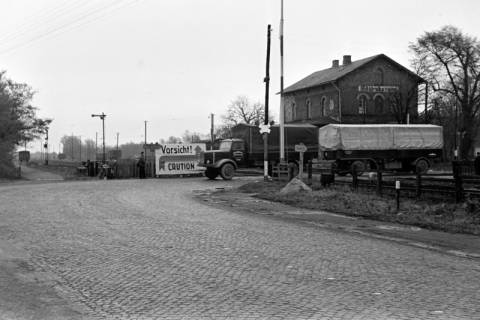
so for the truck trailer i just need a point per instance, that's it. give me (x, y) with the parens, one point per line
(396, 147)
(245, 149)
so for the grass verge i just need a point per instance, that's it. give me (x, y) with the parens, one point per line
(450, 217)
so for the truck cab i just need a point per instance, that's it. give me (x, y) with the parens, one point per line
(246, 148)
(230, 155)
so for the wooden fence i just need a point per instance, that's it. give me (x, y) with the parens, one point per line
(464, 175)
(464, 182)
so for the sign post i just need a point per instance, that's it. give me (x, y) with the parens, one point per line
(265, 130)
(301, 148)
(397, 191)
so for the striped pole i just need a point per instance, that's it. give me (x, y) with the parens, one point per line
(282, 106)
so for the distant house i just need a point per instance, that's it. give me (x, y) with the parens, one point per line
(371, 90)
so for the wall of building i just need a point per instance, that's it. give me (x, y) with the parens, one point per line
(315, 95)
(395, 81)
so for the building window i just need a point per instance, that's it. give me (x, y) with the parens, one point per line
(379, 76)
(309, 108)
(323, 106)
(294, 111)
(379, 103)
(362, 104)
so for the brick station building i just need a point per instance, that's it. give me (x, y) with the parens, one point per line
(370, 90)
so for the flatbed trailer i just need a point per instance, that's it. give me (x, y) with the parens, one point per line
(395, 147)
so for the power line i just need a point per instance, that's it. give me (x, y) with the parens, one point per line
(43, 17)
(71, 25)
(79, 18)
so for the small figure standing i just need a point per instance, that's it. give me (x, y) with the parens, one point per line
(476, 164)
(141, 166)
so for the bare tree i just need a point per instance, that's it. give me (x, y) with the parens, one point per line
(71, 147)
(174, 140)
(131, 150)
(402, 104)
(241, 110)
(223, 132)
(450, 61)
(89, 147)
(191, 137)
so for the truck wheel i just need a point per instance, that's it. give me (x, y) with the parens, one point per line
(421, 166)
(211, 173)
(227, 171)
(359, 166)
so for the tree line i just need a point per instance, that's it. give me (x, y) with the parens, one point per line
(449, 61)
(19, 123)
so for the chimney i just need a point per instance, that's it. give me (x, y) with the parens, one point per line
(335, 64)
(347, 60)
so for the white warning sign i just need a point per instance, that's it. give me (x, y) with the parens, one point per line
(179, 158)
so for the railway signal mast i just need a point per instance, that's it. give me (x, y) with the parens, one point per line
(102, 116)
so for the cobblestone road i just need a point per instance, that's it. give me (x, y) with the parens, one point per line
(146, 250)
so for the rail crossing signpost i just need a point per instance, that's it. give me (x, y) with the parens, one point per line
(265, 130)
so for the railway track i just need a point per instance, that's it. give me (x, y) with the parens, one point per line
(434, 186)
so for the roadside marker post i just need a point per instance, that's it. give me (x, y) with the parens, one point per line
(397, 190)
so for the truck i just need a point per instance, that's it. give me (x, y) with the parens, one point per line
(245, 149)
(397, 147)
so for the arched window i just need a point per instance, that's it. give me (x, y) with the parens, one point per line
(308, 103)
(379, 76)
(379, 103)
(323, 106)
(362, 104)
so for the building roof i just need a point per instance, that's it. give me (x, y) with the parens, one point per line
(335, 73)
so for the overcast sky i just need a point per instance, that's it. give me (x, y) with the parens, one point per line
(174, 62)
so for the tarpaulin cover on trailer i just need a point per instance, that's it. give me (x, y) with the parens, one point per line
(380, 137)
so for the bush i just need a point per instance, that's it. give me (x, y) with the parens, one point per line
(7, 169)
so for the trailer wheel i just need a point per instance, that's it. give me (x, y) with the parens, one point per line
(421, 166)
(358, 166)
(227, 171)
(211, 173)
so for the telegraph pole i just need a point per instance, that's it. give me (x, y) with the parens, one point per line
(96, 143)
(80, 148)
(145, 153)
(282, 106)
(103, 129)
(72, 146)
(267, 87)
(117, 141)
(455, 140)
(46, 147)
(212, 138)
